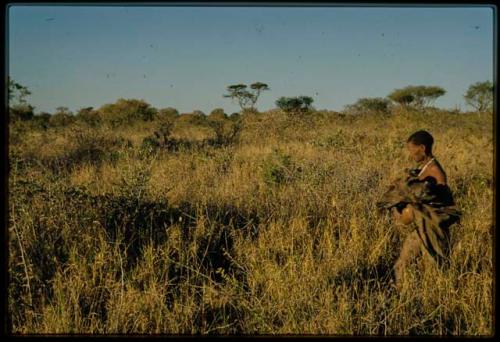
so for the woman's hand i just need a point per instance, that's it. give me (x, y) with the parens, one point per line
(407, 215)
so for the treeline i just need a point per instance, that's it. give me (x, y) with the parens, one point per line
(126, 111)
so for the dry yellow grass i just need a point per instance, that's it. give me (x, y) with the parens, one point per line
(309, 255)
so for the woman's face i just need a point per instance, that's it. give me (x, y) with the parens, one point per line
(417, 152)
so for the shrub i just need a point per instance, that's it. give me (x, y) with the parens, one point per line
(370, 105)
(61, 118)
(41, 120)
(278, 168)
(226, 132)
(197, 117)
(217, 114)
(89, 116)
(168, 114)
(85, 146)
(22, 112)
(126, 111)
(235, 116)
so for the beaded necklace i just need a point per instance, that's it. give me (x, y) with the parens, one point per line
(425, 166)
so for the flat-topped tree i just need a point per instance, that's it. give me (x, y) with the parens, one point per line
(416, 96)
(401, 97)
(239, 93)
(294, 105)
(426, 95)
(246, 99)
(370, 105)
(258, 87)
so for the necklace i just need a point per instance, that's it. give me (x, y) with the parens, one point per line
(425, 166)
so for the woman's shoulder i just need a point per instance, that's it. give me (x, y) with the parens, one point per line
(436, 171)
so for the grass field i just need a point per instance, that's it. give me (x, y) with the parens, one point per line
(276, 233)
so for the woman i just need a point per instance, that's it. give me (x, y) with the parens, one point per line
(425, 200)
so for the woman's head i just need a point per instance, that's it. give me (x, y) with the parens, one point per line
(419, 145)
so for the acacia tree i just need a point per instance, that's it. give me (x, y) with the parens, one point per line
(369, 104)
(258, 88)
(17, 92)
(480, 96)
(417, 96)
(18, 107)
(246, 99)
(295, 105)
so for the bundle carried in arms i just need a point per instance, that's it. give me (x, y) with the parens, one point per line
(433, 208)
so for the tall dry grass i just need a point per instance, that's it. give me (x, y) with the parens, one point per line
(277, 234)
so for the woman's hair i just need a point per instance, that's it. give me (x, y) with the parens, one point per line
(422, 138)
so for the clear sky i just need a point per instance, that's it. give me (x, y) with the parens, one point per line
(184, 57)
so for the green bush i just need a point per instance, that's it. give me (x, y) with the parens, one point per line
(167, 114)
(226, 133)
(126, 111)
(278, 168)
(295, 105)
(370, 105)
(22, 112)
(41, 121)
(89, 116)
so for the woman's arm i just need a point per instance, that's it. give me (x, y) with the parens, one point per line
(406, 216)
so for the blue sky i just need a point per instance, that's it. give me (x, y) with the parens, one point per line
(184, 57)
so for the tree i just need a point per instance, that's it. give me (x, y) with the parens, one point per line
(168, 114)
(258, 88)
(22, 111)
(246, 99)
(41, 120)
(89, 116)
(62, 117)
(17, 92)
(197, 117)
(402, 97)
(126, 111)
(369, 104)
(306, 102)
(18, 107)
(217, 114)
(199, 113)
(417, 96)
(480, 96)
(235, 116)
(295, 105)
